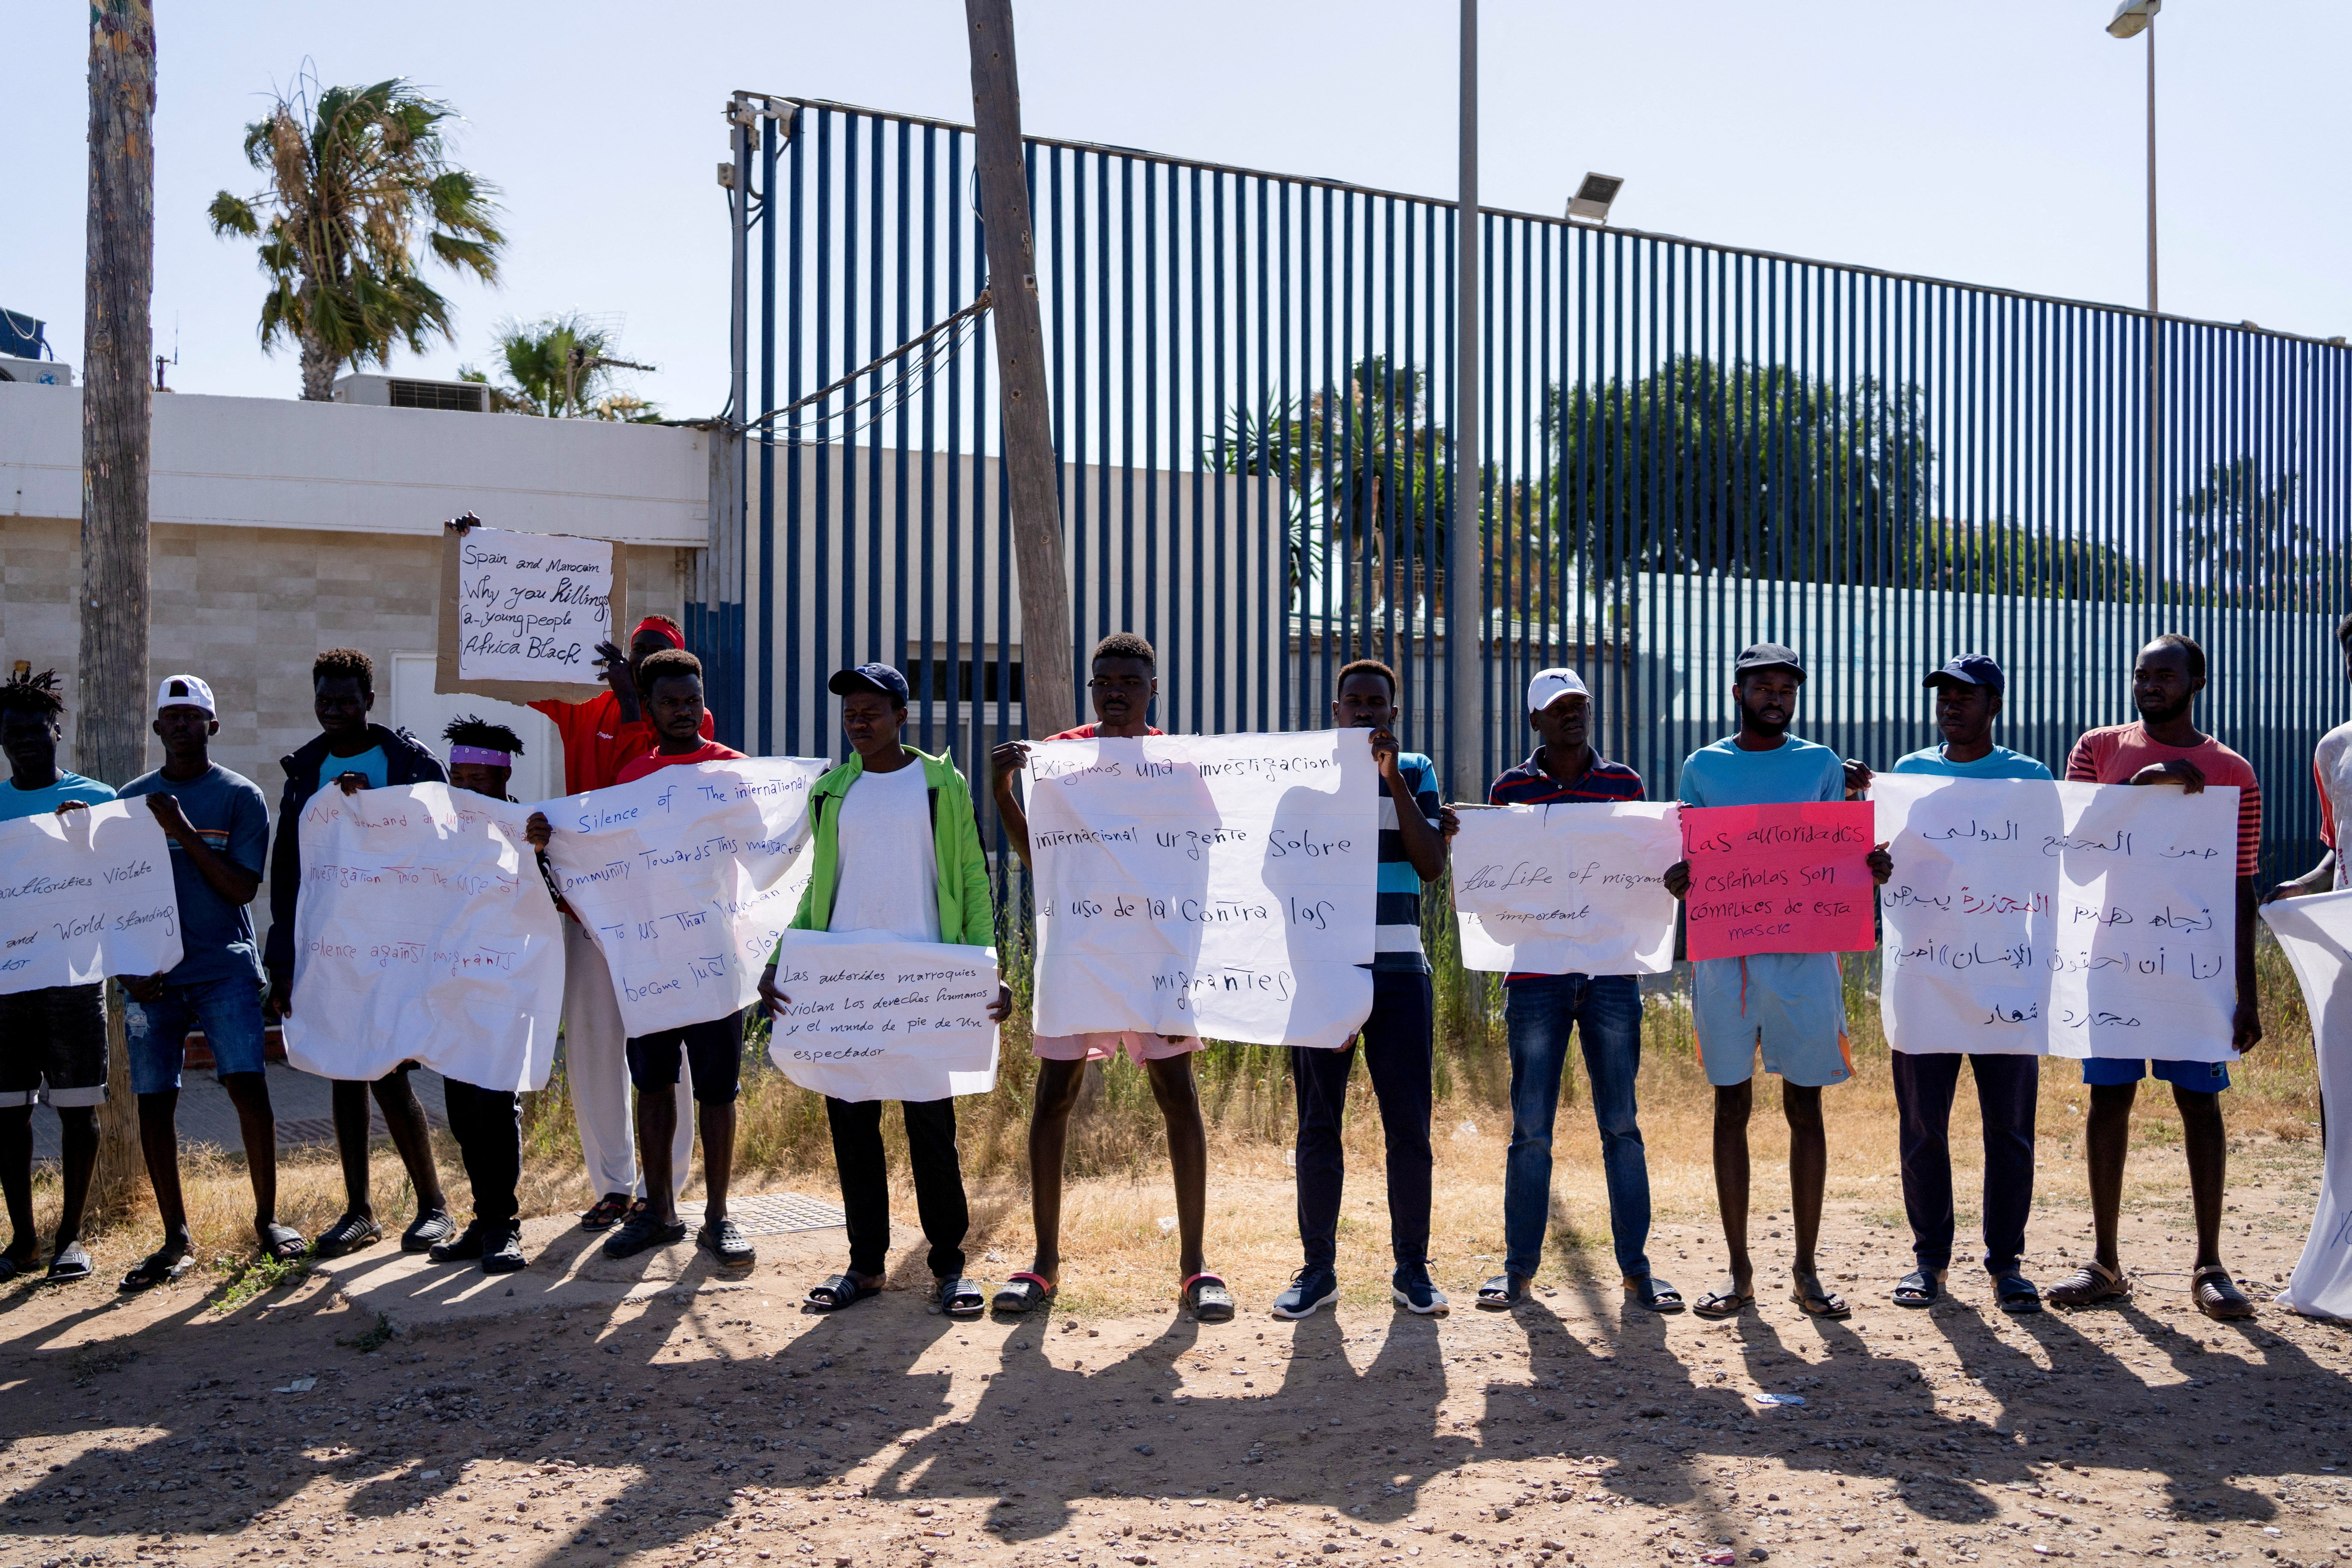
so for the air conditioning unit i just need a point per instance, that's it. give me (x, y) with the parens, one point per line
(407, 391)
(39, 372)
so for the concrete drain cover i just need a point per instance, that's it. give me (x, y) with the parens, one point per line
(773, 1213)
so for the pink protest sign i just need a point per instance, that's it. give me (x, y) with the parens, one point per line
(1779, 879)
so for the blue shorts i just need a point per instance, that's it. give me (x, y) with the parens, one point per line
(2205, 1078)
(1790, 1003)
(228, 1011)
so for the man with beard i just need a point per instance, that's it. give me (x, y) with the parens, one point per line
(2165, 747)
(1788, 1004)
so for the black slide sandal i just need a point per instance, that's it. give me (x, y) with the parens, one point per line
(1921, 1289)
(156, 1269)
(959, 1298)
(841, 1290)
(2016, 1294)
(1023, 1292)
(284, 1243)
(1503, 1292)
(1655, 1293)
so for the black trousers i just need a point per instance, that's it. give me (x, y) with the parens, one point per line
(488, 1125)
(2007, 1087)
(865, 1185)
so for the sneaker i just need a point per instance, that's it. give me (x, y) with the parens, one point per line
(641, 1232)
(433, 1227)
(1310, 1288)
(502, 1248)
(467, 1247)
(1412, 1290)
(726, 1240)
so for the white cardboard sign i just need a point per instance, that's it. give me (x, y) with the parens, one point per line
(1572, 888)
(1221, 885)
(2074, 919)
(423, 933)
(532, 607)
(84, 896)
(873, 1017)
(2316, 935)
(685, 878)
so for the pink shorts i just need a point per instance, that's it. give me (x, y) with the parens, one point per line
(1103, 1045)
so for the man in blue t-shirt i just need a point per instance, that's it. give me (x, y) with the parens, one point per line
(218, 825)
(1968, 691)
(52, 1039)
(1396, 1037)
(1789, 1004)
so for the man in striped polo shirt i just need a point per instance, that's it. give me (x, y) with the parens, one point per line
(1395, 1039)
(1606, 1010)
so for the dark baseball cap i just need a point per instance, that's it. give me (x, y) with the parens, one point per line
(1768, 655)
(878, 677)
(1971, 669)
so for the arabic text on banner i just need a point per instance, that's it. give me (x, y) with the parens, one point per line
(2077, 920)
(872, 1017)
(1574, 888)
(1779, 879)
(685, 878)
(1221, 885)
(2316, 936)
(425, 933)
(84, 896)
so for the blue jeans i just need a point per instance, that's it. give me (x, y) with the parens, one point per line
(229, 1013)
(1606, 1010)
(1396, 1044)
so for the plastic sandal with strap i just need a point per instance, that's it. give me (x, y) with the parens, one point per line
(2217, 1296)
(957, 1297)
(1023, 1292)
(2089, 1286)
(1207, 1295)
(841, 1290)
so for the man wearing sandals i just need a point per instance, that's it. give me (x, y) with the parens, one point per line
(1395, 1040)
(1124, 683)
(218, 825)
(1605, 1011)
(895, 848)
(1789, 1004)
(52, 1040)
(2164, 747)
(1968, 699)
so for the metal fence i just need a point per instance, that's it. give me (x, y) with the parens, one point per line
(1685, 447)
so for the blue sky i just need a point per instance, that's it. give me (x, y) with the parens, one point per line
(1999, 141)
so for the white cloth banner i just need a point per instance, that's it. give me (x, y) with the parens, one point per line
(1574, 888)
(423, 933)
(84, 896)
(2316, 935)
(872, 1017)
(531, 606)
(1221, 885)
(2072, 920)
(685, 878)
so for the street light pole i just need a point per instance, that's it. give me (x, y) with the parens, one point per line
(1465, 632)
(2132, 18)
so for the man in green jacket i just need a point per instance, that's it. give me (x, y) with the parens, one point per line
(897, 850)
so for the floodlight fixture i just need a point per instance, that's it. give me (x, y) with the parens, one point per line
(1593, 197)
(2132, 18)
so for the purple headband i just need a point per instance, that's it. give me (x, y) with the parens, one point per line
(481, 756)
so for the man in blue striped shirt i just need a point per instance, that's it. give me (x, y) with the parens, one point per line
(1395, 1039)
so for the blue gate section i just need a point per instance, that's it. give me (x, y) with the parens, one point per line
(1686, 448)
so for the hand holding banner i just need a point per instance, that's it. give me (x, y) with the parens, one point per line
(1779, 879)
(1574, 888)
(685, 878)
(871, 1017)
(84, 896)
(423, 933)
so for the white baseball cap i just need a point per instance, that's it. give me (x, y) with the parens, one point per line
(184, 691)
(1551, 685)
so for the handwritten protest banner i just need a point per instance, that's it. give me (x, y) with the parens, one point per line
(1221, 885)
(1777, 878)
(2076, 919)
(521, 614)
(872, 1017)
(1574, 888)
(685, 878)
(425, 933)
(84, 896)
(2315, 933)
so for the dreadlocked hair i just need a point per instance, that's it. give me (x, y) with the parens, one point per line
(41, 695)
(475, 731)
(338, 663)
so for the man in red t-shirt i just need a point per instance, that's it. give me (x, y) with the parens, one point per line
(604, 733)
(1126, 680)
(2165, 747)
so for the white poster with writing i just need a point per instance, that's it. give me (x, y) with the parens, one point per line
(1223, 886)
(2317, 935)
(532, 607)
(423, 933)
(871, 1017)
(2073, 919)
(84, 896)
(685, 878)
(1574, 888)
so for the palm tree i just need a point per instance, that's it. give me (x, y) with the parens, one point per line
(359, 176)
(561, 367)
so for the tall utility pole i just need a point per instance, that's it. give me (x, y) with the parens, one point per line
(2132, 18)
(112, 704)
(1048, 697)
(1466, 598)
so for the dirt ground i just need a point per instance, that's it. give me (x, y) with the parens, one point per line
(705, 1420)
